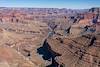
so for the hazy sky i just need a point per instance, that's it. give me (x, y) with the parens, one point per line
(76, 4)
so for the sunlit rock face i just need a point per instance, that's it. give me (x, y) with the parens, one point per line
(24, 40)
(98, 27)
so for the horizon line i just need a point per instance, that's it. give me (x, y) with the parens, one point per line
(47, 7)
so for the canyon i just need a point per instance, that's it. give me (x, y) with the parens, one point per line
(49, 37)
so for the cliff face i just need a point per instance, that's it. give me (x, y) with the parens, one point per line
(77, 52)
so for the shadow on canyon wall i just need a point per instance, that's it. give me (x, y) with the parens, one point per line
(48, 54)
